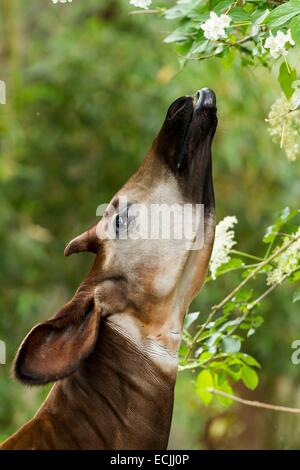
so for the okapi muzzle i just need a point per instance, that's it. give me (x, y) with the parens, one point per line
(129, 310)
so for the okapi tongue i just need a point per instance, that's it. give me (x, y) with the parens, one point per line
(87, 241)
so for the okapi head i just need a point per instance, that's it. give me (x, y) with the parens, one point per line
(142, 286)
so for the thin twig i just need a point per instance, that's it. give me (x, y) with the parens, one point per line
(241, 253)
(257, 301)
(217, 307)
(238, 268)
(256, 404)
(253, 273)
(282, 115)
(224, 43)
(146, 12)
(239, 42)
(203, 57)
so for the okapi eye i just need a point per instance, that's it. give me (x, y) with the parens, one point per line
(122, 222)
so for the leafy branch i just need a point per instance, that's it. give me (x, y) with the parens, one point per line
(255, 404)
(215, 347)
(253, 33)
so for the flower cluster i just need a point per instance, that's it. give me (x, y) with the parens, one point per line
(214, 27)
(141, 3)
(286, 262)
(296, 98)
(224, 241)
(277, 44)
(284, 125)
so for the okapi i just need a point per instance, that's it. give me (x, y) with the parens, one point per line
(113, 348)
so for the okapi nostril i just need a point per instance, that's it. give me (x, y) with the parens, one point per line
(205, 98)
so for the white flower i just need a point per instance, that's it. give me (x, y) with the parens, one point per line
(277, 43)
(287, 262)
(254, 30)
(296, 98)
(61, 1)
(214, 27)
(141, 3)
(224, 241)
(289, 38)
(284, 125)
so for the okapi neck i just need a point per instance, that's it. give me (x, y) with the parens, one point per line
(118, 399)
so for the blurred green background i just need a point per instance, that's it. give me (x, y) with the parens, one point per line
(88, 86)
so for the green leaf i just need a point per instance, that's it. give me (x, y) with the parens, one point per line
(233, 263)
(259, 16)
(285, 216)
(198, 351)
(286, 79)
(204, 357)
(223, 5)
(249, 377)
(190, 319)
(200, 18)
(269, 234)
(213, 341)
(248, 359)
(239, 15)
(295, 277)
(176, 36)
(235, 372)
(200, 46)
(283, 13)
(290, 228)
(203, 382)
(181, 10)
(229, 307)
(295, 29)
(296, 295)
(230, 323)
(251, 332)
(230, 345)
(226, 388)
(257, 321)
(244, 295)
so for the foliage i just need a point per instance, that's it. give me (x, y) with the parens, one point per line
(251, 24)
(216, 345)
(261, 32)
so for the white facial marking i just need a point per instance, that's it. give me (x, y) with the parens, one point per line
(162, 276)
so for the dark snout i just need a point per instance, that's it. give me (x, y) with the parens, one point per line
(190, 122)
(184, 141)
(183, 108)
(205, 98)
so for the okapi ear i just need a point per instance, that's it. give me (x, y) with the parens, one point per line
(54, 349)
(87, 241)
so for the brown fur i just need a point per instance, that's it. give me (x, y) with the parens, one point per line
(117, 399)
